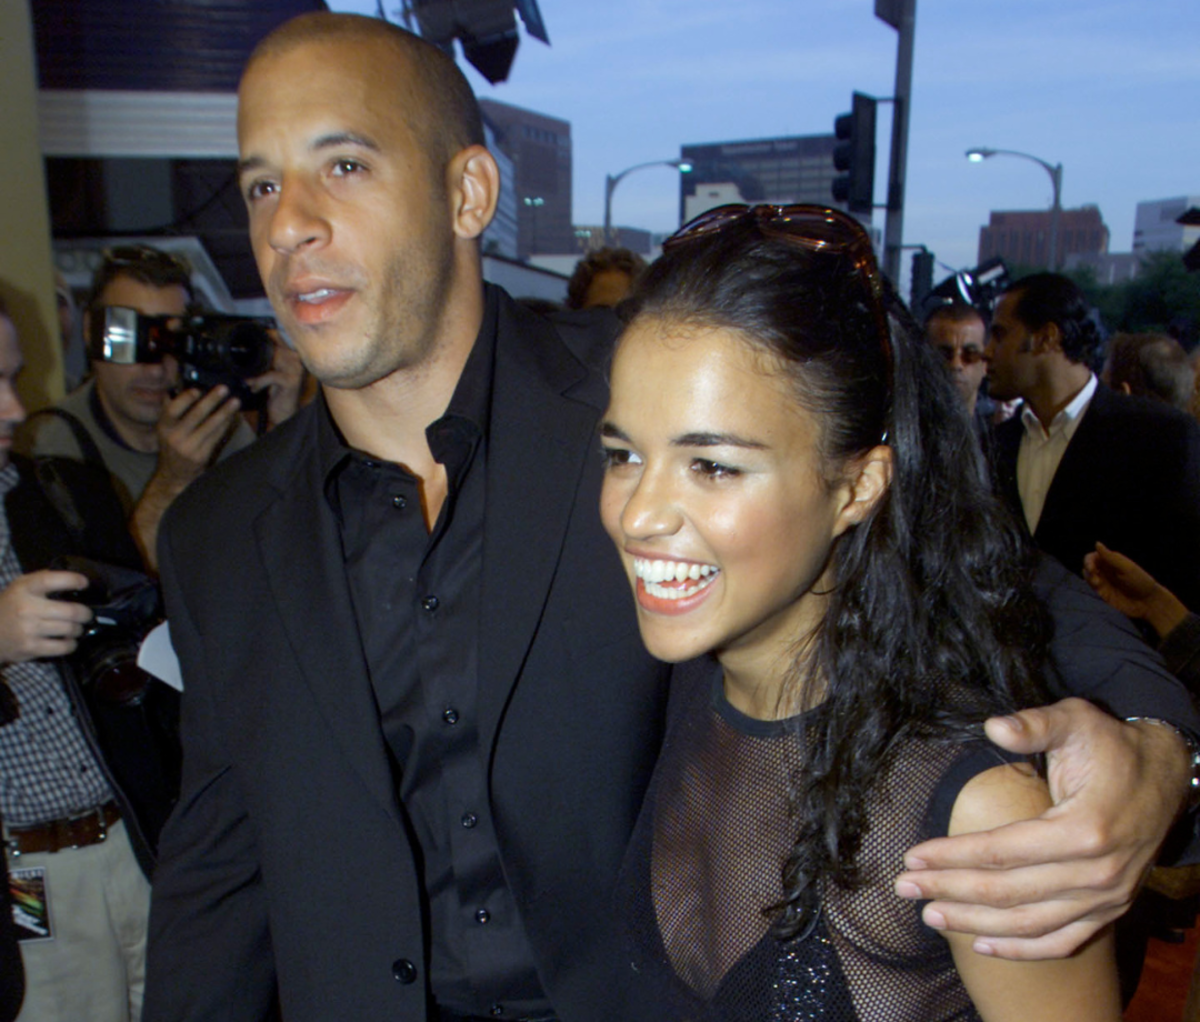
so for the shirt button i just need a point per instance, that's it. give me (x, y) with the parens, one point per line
(403, 971)
(450, 715)
(398, 502)
(469, 820)
(482, 915)
(430, 603)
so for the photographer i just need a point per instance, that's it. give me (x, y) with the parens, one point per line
(78, 842)
(152, 441)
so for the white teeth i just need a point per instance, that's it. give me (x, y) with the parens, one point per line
(315, 296)
(653, 573)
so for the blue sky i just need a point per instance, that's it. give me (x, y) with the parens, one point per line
(1109, 89)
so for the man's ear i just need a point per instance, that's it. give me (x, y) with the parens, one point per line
(869, 479)
(473, 184)
(1047, 339)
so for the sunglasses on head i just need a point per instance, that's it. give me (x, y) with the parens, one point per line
(813, 228)
(144, 255)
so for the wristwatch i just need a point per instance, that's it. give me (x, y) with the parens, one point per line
(1193, 748)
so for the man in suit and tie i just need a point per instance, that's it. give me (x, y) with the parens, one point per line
(1080, 463)
(418, 717)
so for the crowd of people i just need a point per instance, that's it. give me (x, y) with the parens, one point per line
(797, 702)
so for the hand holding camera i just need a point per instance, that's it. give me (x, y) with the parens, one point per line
(34, 623)
(191, 431)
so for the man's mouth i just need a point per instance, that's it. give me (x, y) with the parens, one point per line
(317, 296)
(673, 580)
(316, 304)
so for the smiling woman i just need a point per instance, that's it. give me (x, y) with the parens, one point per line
(799, 503)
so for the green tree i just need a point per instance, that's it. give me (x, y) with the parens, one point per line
(1164, 297)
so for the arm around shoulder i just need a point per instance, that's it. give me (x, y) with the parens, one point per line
(1081, 987)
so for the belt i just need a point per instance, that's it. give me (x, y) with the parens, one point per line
(88, 828)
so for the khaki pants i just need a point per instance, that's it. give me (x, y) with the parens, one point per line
(93, 970)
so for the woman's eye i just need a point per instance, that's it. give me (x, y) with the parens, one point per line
(615, 457)
(713, 469)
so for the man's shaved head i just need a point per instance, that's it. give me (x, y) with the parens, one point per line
(439, 105)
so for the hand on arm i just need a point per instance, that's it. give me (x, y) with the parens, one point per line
(1083, 986)
(190, 433)
(1129, 588)
(32, 624)
(1041, 888)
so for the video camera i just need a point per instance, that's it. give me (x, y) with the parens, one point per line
(211, 349)
(980, 287)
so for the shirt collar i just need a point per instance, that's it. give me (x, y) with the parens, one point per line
(1066, 421)
(469, 407)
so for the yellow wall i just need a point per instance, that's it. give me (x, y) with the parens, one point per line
(26, 260)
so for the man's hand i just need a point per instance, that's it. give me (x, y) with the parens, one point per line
(1041, 888)
(283, 382)
(33, 625)
(1126, 586)
(191, 431)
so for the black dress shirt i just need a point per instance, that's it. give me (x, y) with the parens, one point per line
(416, 600)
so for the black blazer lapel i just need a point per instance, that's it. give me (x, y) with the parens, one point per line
(297, 535)
(541, 440)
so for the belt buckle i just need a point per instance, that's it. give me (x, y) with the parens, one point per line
(76, 823)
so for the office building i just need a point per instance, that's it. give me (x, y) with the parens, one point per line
(540, 150)
(1022, 237)
(775, 170)
(1156, 228)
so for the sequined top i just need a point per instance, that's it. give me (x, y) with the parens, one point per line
(706, 858)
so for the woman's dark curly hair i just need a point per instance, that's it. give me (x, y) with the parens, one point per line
(931, 625)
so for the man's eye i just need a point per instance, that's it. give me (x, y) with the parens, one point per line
(259, 189)
(344, 168)
(713, 469)
(615, 457)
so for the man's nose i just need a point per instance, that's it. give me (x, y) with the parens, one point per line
(296, 221)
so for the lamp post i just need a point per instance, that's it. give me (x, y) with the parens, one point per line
(612, 180)
(1054, 170)
(533, 202)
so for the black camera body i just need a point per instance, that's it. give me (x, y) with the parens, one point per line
(211, 349)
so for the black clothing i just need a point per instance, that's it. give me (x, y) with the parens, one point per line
(143, 783)
(705, 864)
(1130, 478)
(416, 599)
(289, 877)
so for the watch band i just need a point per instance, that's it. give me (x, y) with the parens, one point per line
(1193, 748)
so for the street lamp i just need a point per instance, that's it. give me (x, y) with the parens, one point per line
(534, 202)
(1054, 170)
(611, 181)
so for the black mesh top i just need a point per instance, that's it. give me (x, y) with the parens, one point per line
(706, 859)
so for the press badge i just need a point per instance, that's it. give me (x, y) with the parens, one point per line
(30, 903)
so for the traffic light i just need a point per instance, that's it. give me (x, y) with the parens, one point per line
(922, 278)
(855, 154)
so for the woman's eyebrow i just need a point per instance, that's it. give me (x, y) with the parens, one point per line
(716, 440)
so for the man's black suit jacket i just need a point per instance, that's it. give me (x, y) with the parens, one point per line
(1130, 479)
(288, 864)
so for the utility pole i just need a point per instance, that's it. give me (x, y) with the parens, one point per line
(902, 16)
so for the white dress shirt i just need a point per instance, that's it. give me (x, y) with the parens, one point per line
(1042, 450)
